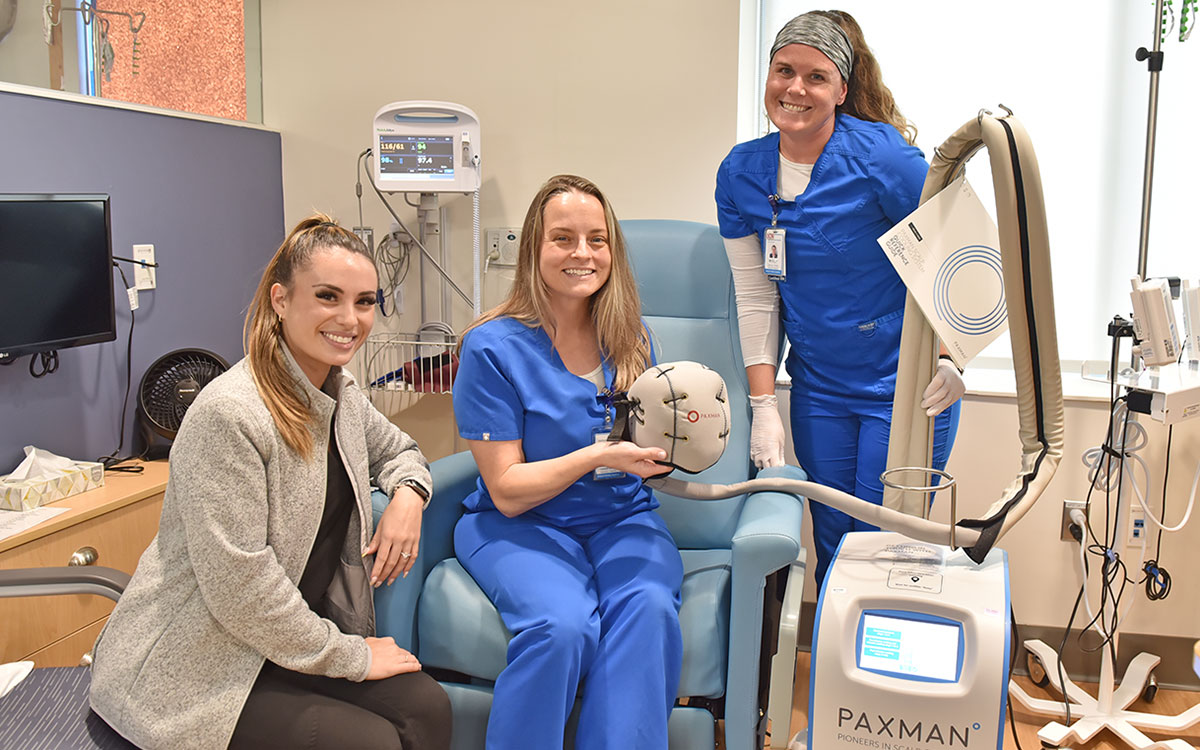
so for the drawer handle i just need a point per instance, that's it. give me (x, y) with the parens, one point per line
(84, 556)
(86, 660)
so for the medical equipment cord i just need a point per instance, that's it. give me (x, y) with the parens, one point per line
(377, 253)
(1158, 580)
(1012, 660)
(428, 255)
(1123, 439)
(47, 360)
(393, 267)
(111, 460)
(1101, 467)
(1062, 646)
(1100, 476)
(358, 182)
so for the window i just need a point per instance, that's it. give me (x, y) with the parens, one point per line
(186, 55)
(1071, 78)
(198, 56)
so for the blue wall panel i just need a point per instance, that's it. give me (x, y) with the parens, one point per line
(208, 196)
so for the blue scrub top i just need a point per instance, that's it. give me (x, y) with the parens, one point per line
(842, 303)
(512, 385)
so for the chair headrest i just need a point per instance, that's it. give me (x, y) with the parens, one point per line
(682, 408)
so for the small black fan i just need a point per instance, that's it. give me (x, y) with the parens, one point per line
(168, 388)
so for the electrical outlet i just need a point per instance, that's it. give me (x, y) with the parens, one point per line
(1137, 525)
(1068, 506)
(502, 245)
(143, 276)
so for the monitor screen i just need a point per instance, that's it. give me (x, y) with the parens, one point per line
(913, 647)
(416, 156)
(56, 283)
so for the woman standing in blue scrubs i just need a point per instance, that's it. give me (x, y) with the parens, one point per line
(837, 174)
(561, 533)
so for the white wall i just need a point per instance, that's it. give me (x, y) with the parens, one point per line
(641, 98)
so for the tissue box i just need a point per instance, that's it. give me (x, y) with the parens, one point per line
(27, 494)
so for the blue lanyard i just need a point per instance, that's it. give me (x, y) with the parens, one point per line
(608, 396)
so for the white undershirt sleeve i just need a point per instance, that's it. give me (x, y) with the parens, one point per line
(757, 301)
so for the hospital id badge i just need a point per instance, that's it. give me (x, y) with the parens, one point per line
(604, 473)
(774, 260)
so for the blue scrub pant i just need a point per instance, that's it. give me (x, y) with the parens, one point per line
(848, 451)
(601, 607)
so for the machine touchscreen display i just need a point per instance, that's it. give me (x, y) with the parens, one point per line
(910, 648)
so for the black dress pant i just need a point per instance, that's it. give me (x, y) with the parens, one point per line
(292, 710)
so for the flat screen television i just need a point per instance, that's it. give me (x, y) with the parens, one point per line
(56, 283)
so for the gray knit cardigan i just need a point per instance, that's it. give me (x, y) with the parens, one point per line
(216, 591)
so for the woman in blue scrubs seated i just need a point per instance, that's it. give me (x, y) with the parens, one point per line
(838, 173)
(561, 533)
(249, 621)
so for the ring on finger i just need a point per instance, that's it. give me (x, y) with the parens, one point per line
(406, 555)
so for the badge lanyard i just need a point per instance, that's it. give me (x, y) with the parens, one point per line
(774, 249)
(604, 434)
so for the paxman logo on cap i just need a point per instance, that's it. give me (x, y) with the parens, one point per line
(694, 416)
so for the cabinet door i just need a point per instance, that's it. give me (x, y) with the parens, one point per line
(68, 651)
(33, 623)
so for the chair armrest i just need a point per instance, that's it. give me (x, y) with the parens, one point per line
(454, 478)
(766, 539)
(767, 536)
(84, 579)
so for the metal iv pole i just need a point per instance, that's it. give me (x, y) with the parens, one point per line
(1109, 708)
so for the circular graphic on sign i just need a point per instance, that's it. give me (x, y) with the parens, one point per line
(968, 291)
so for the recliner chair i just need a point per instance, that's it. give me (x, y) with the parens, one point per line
(729, 547)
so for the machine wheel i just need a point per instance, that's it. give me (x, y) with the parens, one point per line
(1150, 691)
(1036, 670)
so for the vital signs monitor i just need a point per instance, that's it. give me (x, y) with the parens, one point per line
(426, 147)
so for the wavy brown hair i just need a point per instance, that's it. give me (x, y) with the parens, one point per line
(616, 308)
(867, 97)
(263, 331)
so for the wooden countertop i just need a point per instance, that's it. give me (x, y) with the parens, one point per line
(120, 489)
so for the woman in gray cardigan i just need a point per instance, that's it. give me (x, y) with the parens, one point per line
(250, 620)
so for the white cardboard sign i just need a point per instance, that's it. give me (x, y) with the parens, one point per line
(947, 252)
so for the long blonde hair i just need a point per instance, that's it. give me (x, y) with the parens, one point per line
(867, 97)
(616, 309)
(263, 331)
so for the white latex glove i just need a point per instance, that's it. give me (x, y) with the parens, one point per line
(766, 431)
(945, 388)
